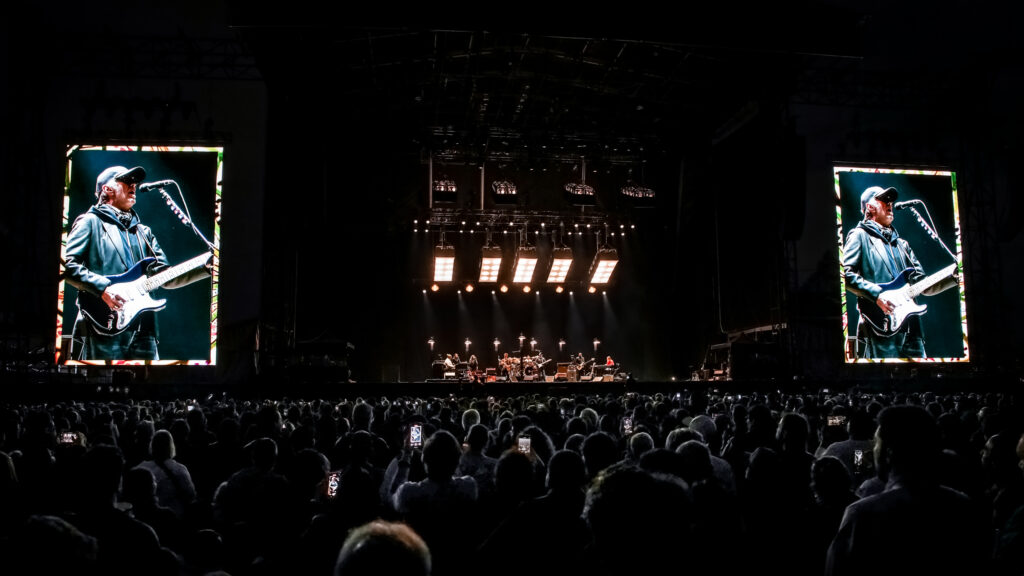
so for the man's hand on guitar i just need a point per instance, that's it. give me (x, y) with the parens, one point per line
(885, 305)
(113, 298)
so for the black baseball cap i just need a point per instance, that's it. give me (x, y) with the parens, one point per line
(884, 194)
(121, 174)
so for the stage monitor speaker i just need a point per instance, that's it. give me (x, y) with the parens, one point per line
(549, 378)
(586, 378)
(608, 378)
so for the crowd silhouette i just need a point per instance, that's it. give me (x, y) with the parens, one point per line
(803, 484)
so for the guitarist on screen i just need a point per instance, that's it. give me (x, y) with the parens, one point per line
(877, 263)
(109, 240)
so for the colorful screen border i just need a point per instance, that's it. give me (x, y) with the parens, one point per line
(66, 222)
(884, 173)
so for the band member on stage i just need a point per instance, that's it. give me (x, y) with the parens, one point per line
(505, 365)
(609, 362)
(474, 364)
(107, 240)
(875, 254)
(579, 360)
(449, 362)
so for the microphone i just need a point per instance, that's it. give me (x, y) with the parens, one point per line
(907, 204)
(147, 186)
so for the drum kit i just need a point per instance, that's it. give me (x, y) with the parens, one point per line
(525, 368)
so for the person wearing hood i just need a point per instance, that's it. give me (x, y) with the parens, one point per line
(107, 240)
(874, 254)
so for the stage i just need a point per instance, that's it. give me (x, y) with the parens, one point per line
(39, 384)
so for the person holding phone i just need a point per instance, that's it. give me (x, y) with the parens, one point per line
(441, 507)
(858, 435)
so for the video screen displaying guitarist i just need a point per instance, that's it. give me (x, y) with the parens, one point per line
(110, 256)
(880, 268)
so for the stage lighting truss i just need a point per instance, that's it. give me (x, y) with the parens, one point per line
(499, 274)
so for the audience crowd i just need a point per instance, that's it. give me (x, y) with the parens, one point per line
(694, 481)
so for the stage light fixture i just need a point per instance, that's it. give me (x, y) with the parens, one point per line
(579, 189)
(561, 261)
(444, 190)
(526, 263)
(469, 287)
(592, 289)
(444, 261)
(496, 344)
(434, 287)
(526, 259)
(558, 290)
(638, 194)
(431, 343)
(526, 289)
(581, 194)
(504, 288)
(445, 184)
(490, 263)
(603, 266)
(505, 191)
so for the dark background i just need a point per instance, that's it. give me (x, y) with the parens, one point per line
(329, 118)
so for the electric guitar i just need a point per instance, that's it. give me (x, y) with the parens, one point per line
(902, 295)
(135, 286)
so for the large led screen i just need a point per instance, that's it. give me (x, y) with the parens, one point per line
(901, 265)
(139, 255)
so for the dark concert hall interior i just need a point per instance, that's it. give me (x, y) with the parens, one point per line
(671, 213)
(708, 148)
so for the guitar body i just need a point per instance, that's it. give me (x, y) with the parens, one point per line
(132, 285)
(898, 292)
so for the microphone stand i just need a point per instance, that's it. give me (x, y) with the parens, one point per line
(930, 229)
(184, 215)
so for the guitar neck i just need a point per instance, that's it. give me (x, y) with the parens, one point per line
(158, 280)
(930, 281)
